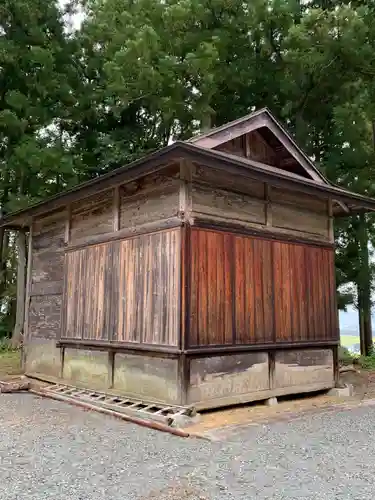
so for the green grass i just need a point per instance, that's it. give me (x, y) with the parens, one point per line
(349, 340)
(10, 359)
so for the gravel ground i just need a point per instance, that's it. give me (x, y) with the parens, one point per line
(49, 450)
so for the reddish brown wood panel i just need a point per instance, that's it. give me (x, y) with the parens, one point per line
(253, 290)
(211, 314)
(248, 290)
(304, 289)
(125, 291)
(321, 294)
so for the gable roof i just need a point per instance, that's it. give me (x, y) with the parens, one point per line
(254, 121)
(248, 169)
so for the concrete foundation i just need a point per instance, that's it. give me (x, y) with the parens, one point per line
(146, 377)
(42, 357)
(87, 368)
(342, 392)
(211, 381)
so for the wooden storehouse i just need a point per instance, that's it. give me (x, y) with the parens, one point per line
(201, 274)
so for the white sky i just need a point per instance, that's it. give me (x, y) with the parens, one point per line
(77, 19)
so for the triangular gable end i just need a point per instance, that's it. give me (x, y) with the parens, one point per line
(259, 136)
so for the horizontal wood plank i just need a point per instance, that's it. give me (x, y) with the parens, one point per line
(151, 199)
(44, 316)
(47, 288)
(221, 203)
(128, 232)
(92, 216)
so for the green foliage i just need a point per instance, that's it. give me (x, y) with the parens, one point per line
(6, 346)
(345, 357)
(363, 362)
(367, 362)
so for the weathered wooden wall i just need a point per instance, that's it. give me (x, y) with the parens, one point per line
(252, 146)
(125, 291)
(47, 276)
(91, 216)
(247, 290)
(55, 235)
(153, 198)
(218, 197)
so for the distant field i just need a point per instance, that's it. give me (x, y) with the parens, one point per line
(349, 340)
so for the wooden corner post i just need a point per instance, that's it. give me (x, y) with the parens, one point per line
(26, 306)
(21, 287)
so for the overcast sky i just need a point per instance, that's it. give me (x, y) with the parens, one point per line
(77, 19)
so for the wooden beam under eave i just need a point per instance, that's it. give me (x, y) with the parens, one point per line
(331, 232)
(68, 224)
(247, 146)
(268, 205)
(116, 209)
(185, 195)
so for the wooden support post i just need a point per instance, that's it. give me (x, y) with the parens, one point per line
(247, 146)
(62, 360)
(268, 205)
(68, 221)
(184, 375)
(28, 293)
(331, 233)
(336, 373)
(271, 369)
(111, 369)
(185, 190)
(116, 209)
(21, 288)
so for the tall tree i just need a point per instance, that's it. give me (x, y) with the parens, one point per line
(35, 71)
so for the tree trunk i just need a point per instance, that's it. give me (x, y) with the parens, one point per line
(21, 289)
(4, 236)
(206, 122)
(364, 289)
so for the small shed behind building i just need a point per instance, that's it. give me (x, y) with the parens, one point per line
(201, 274)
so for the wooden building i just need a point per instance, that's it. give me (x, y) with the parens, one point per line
(201, 274)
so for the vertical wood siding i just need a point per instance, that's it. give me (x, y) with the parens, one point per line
(247, 290)
(253, 290)
(211, 320)
(125, 291)
(304, 284)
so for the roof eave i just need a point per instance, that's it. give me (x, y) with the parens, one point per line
(129, 172)
(212, 158)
